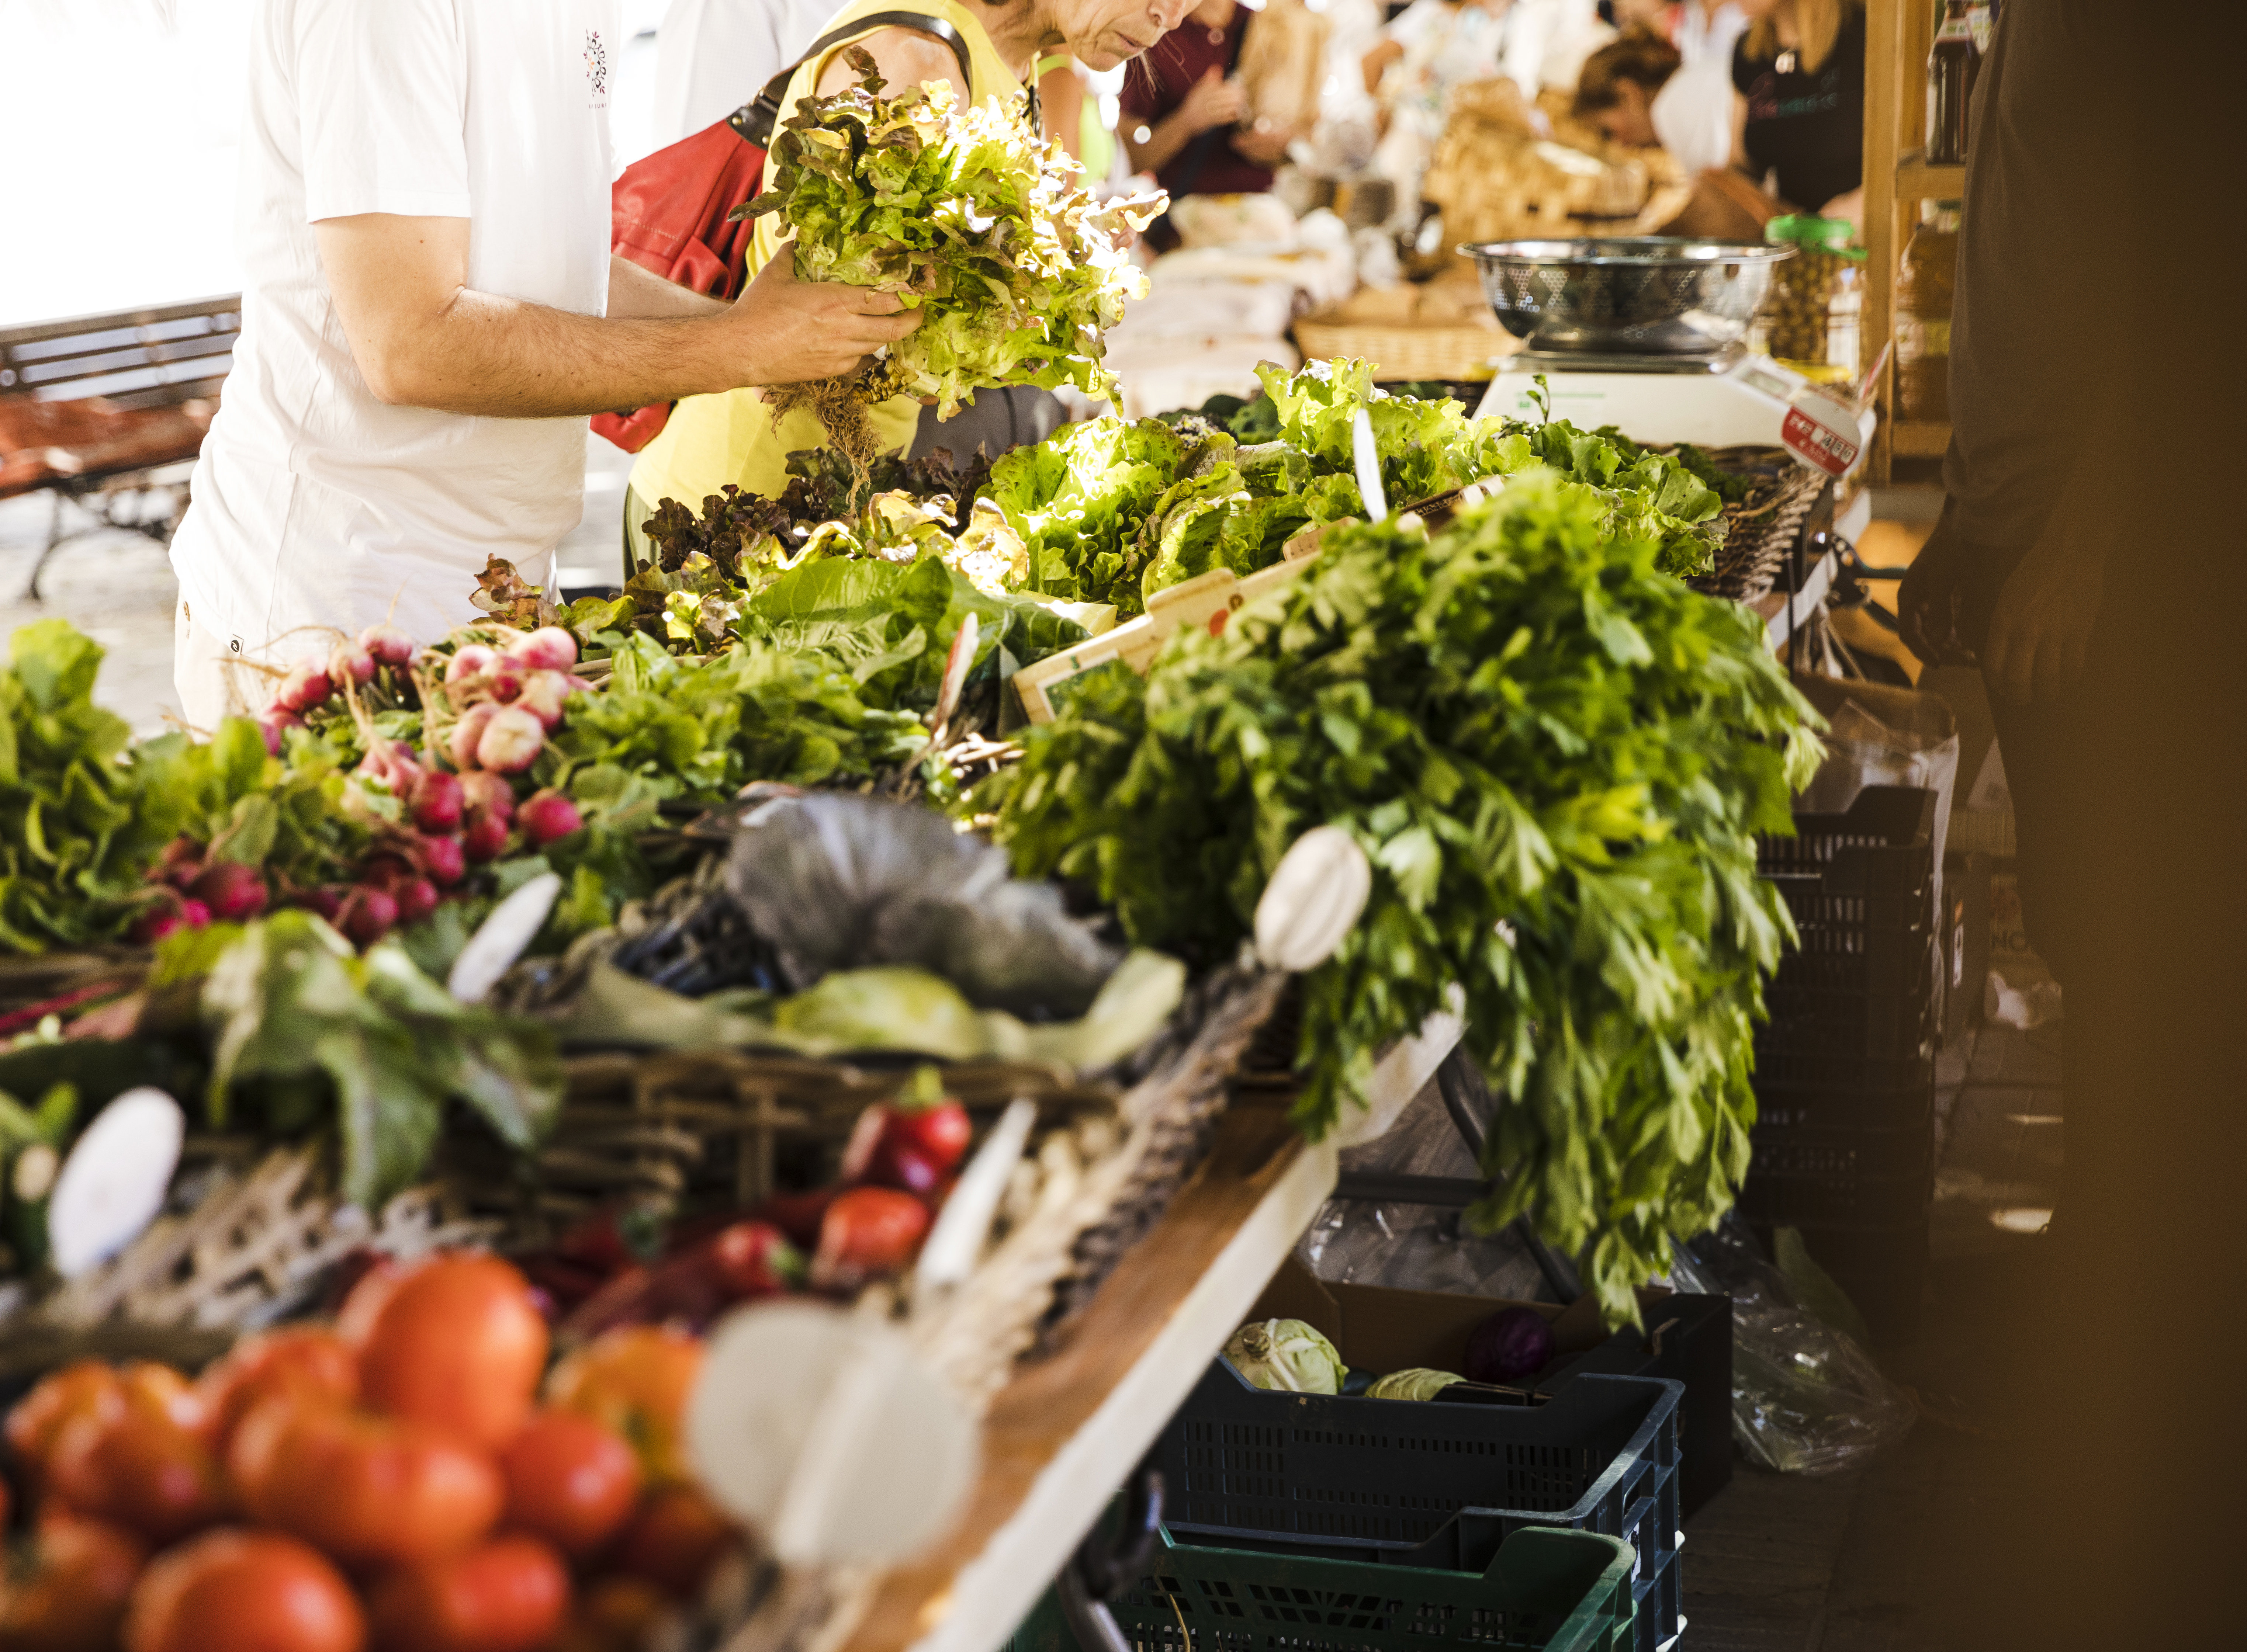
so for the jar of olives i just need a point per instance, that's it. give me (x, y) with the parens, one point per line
(1809, 320)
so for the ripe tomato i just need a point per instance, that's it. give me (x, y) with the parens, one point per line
(308, 1363)
(635, 1381)
(138, 1470)
(363, 1488)
(868, 1232)
(456, 1343)
(508, 1596)
(571, 1481)
(74, 1598)
(245, 1592)
(675, 1539)
(91, 1387)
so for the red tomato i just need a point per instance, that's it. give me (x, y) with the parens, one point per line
(138, 1470)
(571, 1481)
(456, 1343)
(75, 1597)
(92, 1388)
(309, 1363)
(508, 1596)
(675, 1539)
(243, 1592)
(634, 1380)
(363, 1488)
(868, 1232)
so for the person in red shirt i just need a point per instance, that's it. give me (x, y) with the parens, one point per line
(1182, 113)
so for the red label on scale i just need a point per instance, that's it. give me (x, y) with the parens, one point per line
(1817, 442)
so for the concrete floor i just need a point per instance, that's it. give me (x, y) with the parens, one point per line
(1862, 1561)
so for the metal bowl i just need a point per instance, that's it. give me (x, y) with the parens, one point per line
(1641, 295)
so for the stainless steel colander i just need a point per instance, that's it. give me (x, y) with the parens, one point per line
(1639, 295)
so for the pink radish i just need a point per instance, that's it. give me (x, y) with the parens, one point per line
(467, 732)
(389, 645)
(274, 722)
(549, 648)
(504, 681)
(473, 660)
(327, 900)
(548, 816)
(511, 741)
(488, 794)
(545, 694)
(437, 802)
(486, 839)
(417, 897)
(351, 662)
(442, 859)
(368, 914)
(306, 686)
(233, 893)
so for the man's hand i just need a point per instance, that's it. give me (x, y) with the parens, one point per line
(2042, 625)
(782, 331)
(1927, 604)
(1264, 144)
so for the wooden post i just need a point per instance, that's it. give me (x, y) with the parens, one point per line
(1885, 35)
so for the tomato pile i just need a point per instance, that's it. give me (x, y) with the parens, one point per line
(397, 1482)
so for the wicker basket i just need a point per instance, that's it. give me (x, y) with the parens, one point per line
(1402, 350)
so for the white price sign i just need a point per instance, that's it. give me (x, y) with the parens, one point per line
(1821, 432)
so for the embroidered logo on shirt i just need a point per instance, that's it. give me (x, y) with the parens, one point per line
(596, 67)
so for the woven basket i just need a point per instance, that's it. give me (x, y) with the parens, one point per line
(1400, 351)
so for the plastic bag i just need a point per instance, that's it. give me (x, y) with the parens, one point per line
(1807, 1399)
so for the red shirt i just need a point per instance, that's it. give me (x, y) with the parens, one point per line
(1157, 82)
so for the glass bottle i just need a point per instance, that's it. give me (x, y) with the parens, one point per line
(1952, 68)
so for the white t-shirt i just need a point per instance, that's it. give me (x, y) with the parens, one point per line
(315, 505)
(1692, 115)
(713, 55)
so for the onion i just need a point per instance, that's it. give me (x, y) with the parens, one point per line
(233, 893)
(1513, 1342)
(511, 743)
(549, 648)
(548, 816)
(389, 645)
(467, 732)
(437, 802)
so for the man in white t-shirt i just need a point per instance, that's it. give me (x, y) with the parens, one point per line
(430, 312)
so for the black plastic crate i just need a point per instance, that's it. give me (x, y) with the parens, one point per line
(1842, 1112)
(1810, 1154)
(1799, 1201)
(1883, 845)
(1782, 1071)
(1839, 1022)
(1688, 1338)
(1433, 1482)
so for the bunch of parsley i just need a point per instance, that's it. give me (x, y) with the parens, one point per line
(1557, 758)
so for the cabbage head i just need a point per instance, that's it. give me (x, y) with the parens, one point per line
(1417, 1383)
(1286, 1355)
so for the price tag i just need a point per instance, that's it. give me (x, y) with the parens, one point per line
(1821, 432)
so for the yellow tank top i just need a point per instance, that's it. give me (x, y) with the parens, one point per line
(710, 440)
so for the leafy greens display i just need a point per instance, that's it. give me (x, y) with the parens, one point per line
(1556, 756)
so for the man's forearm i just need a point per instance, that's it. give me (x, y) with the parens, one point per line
(502, 358)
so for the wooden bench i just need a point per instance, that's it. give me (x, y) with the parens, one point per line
(108, 412)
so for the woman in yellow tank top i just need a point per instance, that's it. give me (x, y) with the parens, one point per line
(711, 441)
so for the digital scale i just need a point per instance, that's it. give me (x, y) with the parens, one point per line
(1730, 399)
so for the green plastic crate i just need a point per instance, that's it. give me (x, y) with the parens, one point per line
(1547, 1590)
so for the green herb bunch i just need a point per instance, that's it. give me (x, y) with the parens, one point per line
(969, 215)
(1556, 757)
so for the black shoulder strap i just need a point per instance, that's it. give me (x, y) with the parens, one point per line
(756, 120)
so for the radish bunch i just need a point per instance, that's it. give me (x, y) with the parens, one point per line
(509, 704)
(314, 680)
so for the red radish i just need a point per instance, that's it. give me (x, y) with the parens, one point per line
(389, 645)
(473, 660)
(306, 686)
(327, 900)
(368, 914)
(545, 693)
(442, 859)
(549, 648)
(511, 741)
(488, 794)
(416, 896)
(437, 802)
(350, 662)
(274, 722)
(233, 892)
(486, 839)
(163, 920)
(181, 863)
(467, 732)
(548, 816)
(505, 681)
